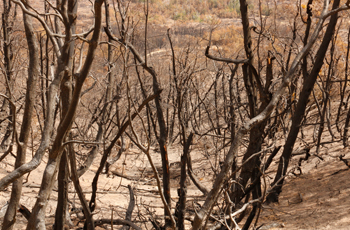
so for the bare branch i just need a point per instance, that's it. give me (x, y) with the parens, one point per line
(226, 60)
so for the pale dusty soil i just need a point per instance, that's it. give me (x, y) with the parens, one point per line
(112, 190)
(323, 187)
(319, 197)
(324, 203)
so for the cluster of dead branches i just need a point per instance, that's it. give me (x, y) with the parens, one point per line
(91, 92)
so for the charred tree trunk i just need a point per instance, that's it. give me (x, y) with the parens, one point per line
(66, 97)
(7, 26)
(347, 121)
(182, 191)
(202, 215)
(109, 92)
(37, 219)
(253, 86)
(308, 85)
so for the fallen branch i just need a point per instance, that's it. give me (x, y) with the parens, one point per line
(117, 222)
(130, 208)
(346, 161)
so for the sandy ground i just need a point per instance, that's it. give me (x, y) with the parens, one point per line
(316, 199)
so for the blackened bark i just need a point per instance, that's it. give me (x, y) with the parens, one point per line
(24, 211)
(256, 140)
(306, 37)
(162, 141)
(182, 191)
(203, 214)
(256, 193)
(257, 133)
(60, 215)
(347, 121)
(6, 32)
(308, 85)
(37, 219)
(117, 222)
(66, 97)
(130, 208)
(109, 92)
(90, 224)
(7, 26)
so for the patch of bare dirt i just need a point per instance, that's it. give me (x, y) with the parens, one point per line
(316, 199)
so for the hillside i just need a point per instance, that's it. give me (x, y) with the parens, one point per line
(200, 114)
